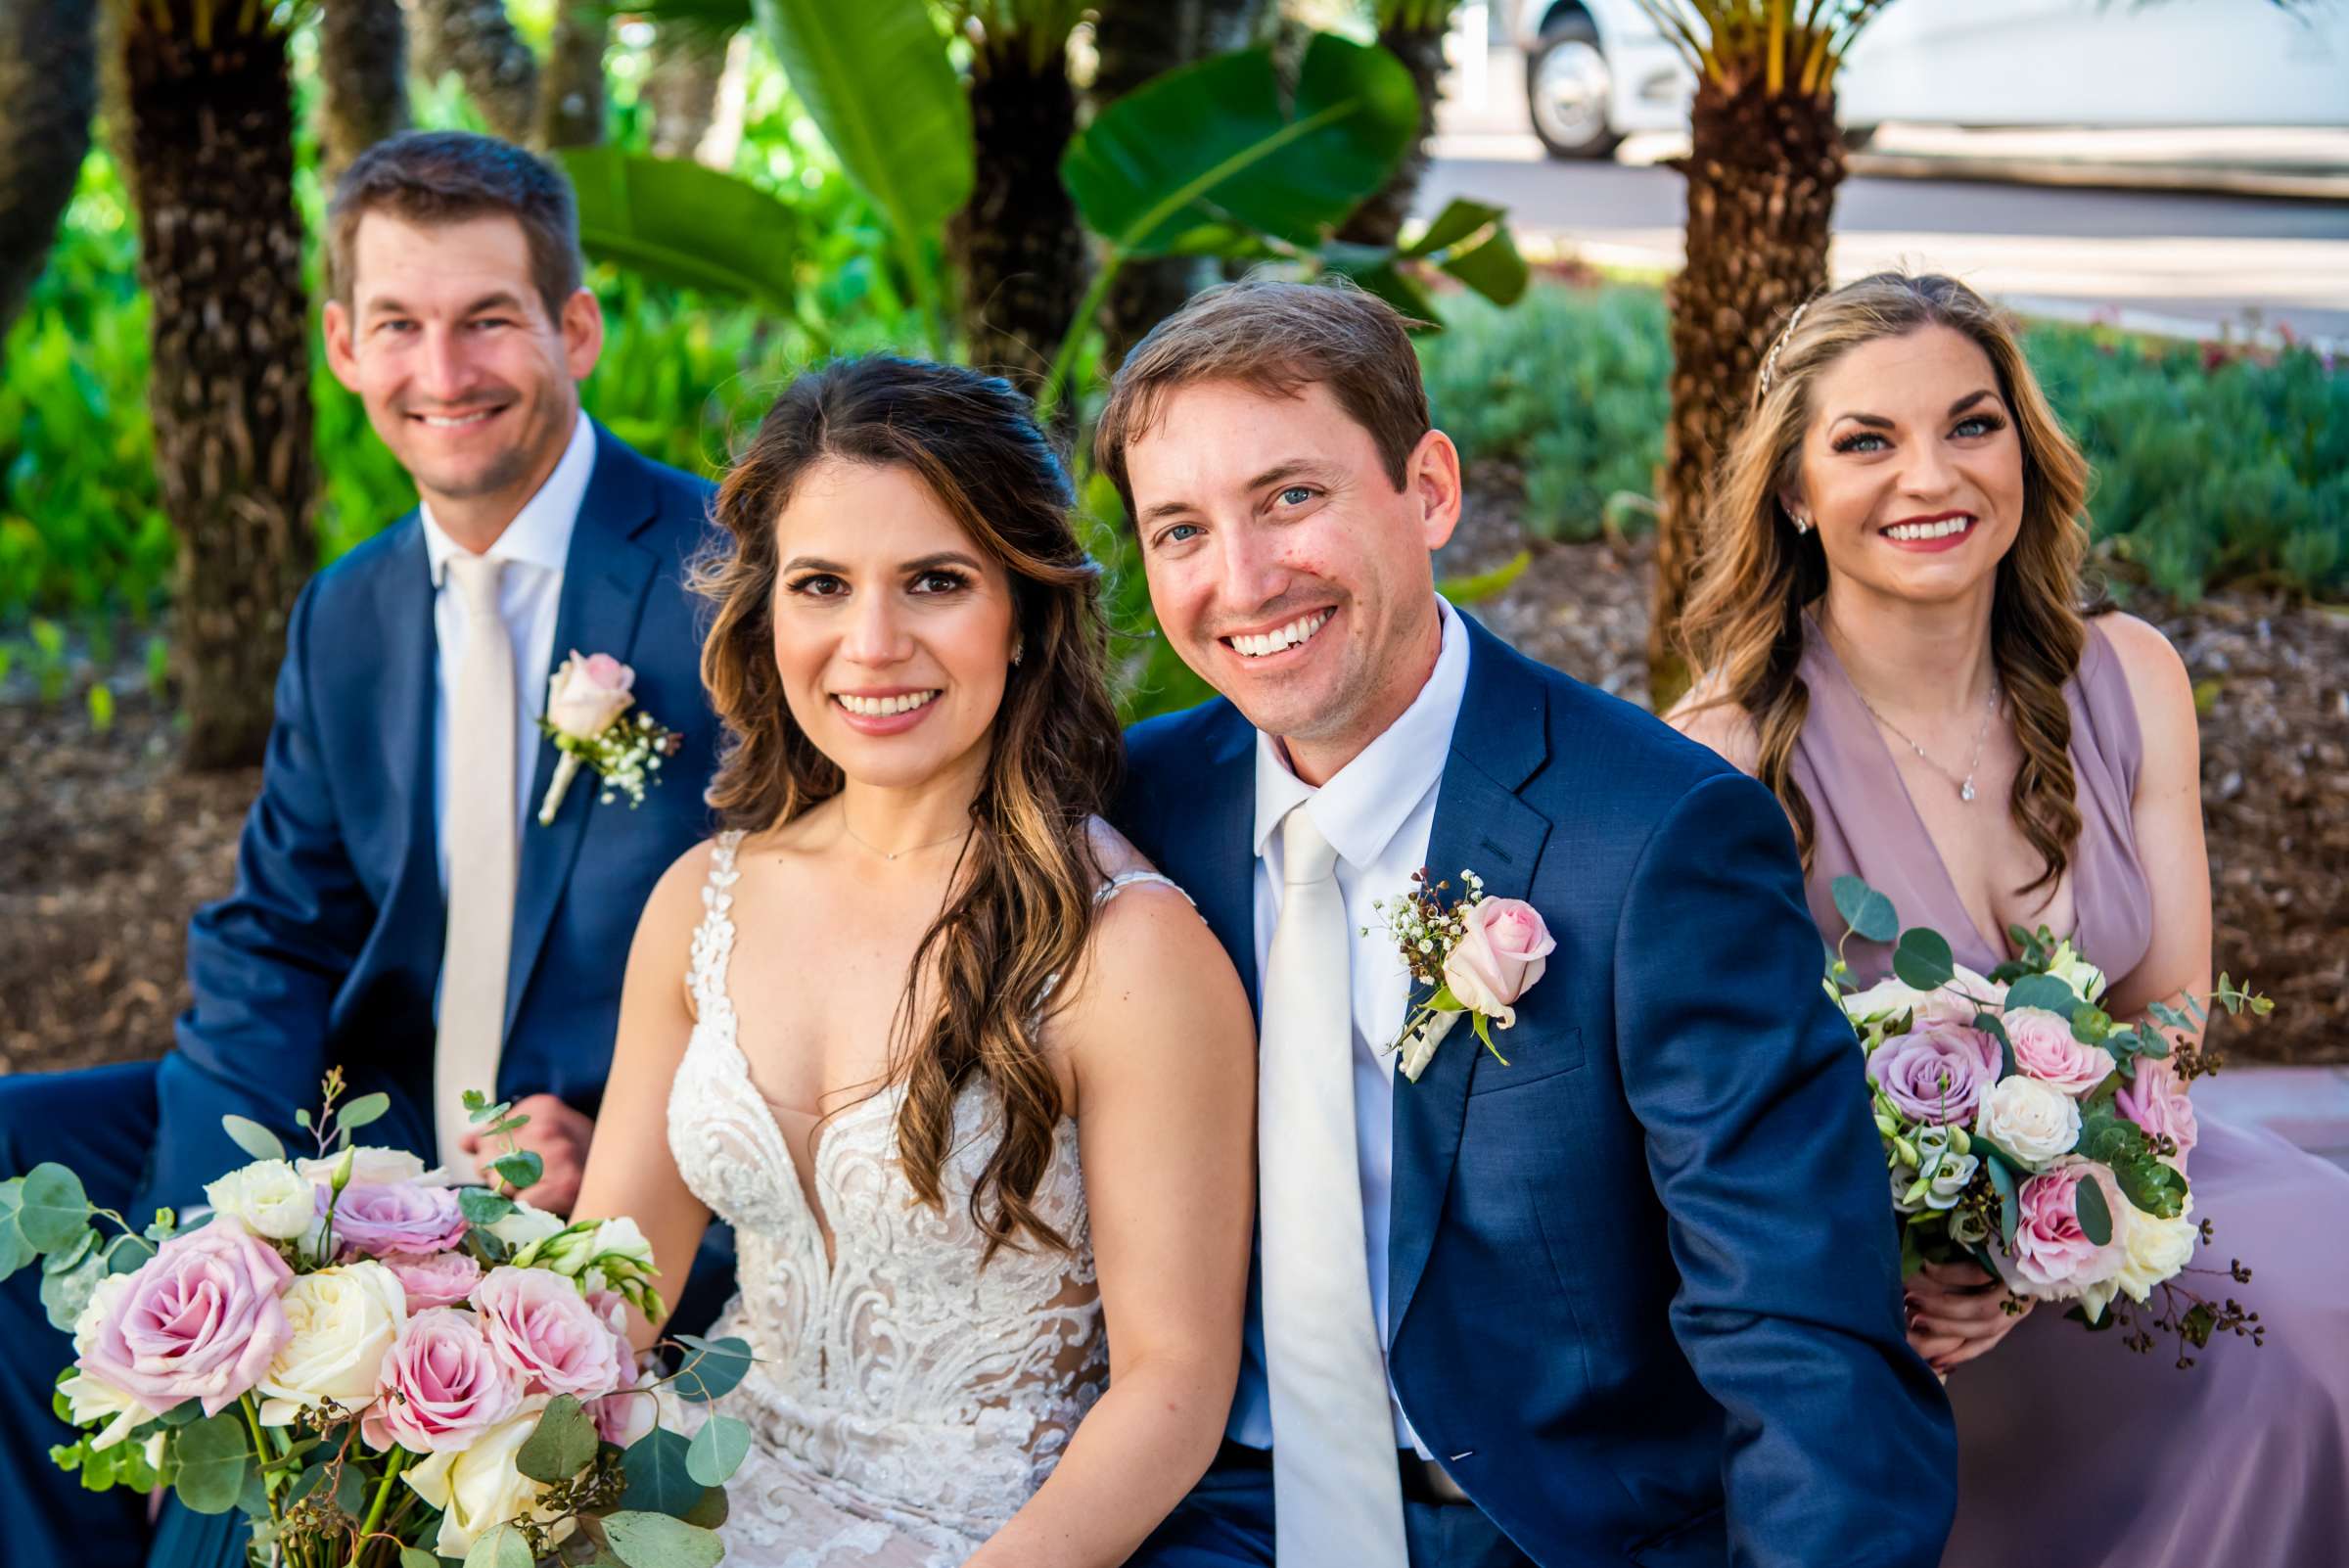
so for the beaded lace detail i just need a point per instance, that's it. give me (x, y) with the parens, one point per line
(905, 1400)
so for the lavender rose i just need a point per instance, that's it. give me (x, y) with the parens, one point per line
(400, 1217)
(2045, 1047)
(1936, 1074)
(547, 1330)
(441, 1386)
(200, 1320)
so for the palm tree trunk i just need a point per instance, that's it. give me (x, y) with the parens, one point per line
(476, 39)
(571, 90)
(1017, 243)
(681, 83)
(220, 255)
(1134, 41)
(363, 64)
(1417, 40)
(49, 81)
(1762, 170)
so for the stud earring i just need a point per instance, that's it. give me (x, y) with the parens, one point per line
(1017, 649)
(1802, 524)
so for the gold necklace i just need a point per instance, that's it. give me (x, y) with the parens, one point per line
(962, 832)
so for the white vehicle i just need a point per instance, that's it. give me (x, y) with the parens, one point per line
(1597, 70)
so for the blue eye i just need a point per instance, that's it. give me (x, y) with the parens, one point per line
(1180, 533)
(1854, 443)
(1295, 495)
(1979, 425)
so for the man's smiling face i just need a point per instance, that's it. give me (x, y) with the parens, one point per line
(1286, 566)
(465, 376)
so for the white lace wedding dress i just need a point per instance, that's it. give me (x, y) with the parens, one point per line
(905, 1400)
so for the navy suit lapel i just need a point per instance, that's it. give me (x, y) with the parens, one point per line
(410, 655)
(1500, 741)
(1217, 816)
(604, 582)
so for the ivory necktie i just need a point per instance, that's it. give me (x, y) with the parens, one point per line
(1336, 1495)
(483, 825)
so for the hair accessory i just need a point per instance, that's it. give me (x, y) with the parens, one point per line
(1769, 362)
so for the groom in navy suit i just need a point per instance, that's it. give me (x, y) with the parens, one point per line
(1629, 1297)
(404, 909)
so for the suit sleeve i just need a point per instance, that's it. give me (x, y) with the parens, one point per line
(265, 962)
(1748, 1088)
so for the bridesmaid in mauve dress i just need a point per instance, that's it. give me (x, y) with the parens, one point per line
(1886, 628)
(2074, 1449)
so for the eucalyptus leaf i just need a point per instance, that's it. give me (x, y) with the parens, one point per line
(502, 1548)
(710, 1511)
(717, 1451)
(518, 1170)
(1866, 912)
(1922, 960)
(1989, 1024)
(2002, 1181)
(253, 1137)
(15, 1251)
(658, 1480)
(484, 1207)
(417, 1557)
(125, 1254)
(65, 1293)
(70, 1257)
(360, 1112)
(212, 1455)
(562, 1444)
(2043, 991)
(713, 1367)
(657, 1541)
(2095, 1215)
(52, 1209)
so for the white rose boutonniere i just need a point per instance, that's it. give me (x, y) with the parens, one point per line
(1480, 954)
(584, 702)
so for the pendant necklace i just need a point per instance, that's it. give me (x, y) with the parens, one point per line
(1965, 785)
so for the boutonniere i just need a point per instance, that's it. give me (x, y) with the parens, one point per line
(1480, 956)
(584, 702)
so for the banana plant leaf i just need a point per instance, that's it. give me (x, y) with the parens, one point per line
(675, 221)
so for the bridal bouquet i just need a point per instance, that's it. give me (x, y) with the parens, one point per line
(376, 1366)
(2029, 1132)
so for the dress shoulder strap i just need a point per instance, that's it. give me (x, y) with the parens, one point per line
(1135, 878)
(713, 938)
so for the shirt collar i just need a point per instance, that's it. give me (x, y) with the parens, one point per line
(1366, 803)
(540, 533)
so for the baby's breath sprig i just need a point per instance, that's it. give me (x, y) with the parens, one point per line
(624, 756)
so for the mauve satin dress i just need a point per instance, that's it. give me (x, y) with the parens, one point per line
(2075, 1452)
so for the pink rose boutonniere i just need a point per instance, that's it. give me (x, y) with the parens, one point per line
(1480, 956)
(584, 702)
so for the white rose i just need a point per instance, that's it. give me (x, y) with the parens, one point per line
(268, 1197)
(2086, 979)
(344, 1320)
(2152, 1249)
(526, 1225)
(2029, 1120)
(478, 1488)
(374, 1166)
(1888, 997)
(91, 1398)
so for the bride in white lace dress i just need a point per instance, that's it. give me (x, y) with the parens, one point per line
(973, 1085)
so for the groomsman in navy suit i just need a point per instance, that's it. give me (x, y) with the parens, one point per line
(404, 909)
(1630, 1295)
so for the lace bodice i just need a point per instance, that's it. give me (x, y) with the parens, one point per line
(904, 1396)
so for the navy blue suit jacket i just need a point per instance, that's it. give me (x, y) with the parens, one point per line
(328, 950)
(1643, 1285)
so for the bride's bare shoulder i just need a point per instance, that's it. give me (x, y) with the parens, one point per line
(1708, 717)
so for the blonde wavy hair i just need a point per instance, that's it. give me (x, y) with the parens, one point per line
(1758, 577)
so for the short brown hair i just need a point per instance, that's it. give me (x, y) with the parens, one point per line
(433, 177)
(1278, 337)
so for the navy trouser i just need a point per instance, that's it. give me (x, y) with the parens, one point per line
(1227, 1522)
(100, 1121)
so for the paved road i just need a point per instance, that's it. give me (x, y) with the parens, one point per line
(2186, 263)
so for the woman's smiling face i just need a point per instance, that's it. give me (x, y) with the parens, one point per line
(893, 631)
(1912, 469)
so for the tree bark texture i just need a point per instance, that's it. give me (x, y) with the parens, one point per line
(1017, 245)
(570, 88)
(220, 254)
(1762, 174)
(680, 85)
(477, 40)
(363, 64)
(1421, 48)
(49, 87)
(1136, 40)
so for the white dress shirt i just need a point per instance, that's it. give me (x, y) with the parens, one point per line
(1378, 812)
(533, 547)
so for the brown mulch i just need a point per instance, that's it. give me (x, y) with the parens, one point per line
(105, 846)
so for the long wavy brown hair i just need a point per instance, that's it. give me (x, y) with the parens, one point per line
(1022, 905)
(1758, 578)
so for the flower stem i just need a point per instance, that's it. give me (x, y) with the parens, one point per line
(375, 1509)
(260, 1451)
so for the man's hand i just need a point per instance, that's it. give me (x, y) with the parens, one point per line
(558, 1135)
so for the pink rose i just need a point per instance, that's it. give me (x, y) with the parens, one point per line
(1936, 1073)
(2053, 1253)
(1957, 1000)
(441, 1385)
(435, 1279)
(400, 1217)
(547, 1332)
(620, 1417)
(2158, 1102)
(587, 693)
(200, 1320)
(1499, 957)
(2045, 1047)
